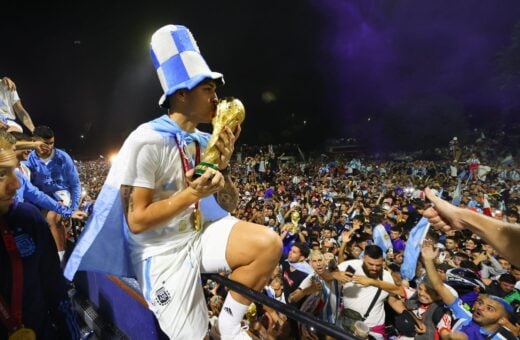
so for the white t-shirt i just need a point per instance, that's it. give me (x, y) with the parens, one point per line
(358, 298)
(154, 162)
(7, 100)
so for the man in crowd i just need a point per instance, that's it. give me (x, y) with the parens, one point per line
(53, 171)
(295, 268)
(490, 312)
(359, 298)
(325, 284)
(28, 259)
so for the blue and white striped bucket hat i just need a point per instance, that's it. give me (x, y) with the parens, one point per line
(178, 61)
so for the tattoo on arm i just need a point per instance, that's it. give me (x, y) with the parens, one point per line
(227, 198)
(126, 197)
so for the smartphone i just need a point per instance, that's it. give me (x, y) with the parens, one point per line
(350, 270)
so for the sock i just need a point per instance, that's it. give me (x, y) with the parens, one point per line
(230, 317)
(61, 253)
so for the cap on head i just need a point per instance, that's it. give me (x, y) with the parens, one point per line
(178, 61)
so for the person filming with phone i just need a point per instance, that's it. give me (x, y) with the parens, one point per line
(361, 303)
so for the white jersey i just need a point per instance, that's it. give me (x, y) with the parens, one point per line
(7, 100)
(153, 161)
(358, 298)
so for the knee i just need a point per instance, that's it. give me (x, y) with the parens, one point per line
(269, 243)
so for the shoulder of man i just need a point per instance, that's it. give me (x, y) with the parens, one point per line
(26, 215)
(354, 263)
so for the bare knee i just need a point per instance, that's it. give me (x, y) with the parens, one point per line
(251, 244)
(269, 245)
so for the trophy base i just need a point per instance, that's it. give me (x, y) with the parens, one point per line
(202, 167)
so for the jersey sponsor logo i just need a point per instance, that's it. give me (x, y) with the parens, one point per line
(162, 296)
(25, 245)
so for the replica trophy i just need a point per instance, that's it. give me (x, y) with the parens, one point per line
(230, 113)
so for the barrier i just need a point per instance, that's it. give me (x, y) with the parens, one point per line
(289, 310)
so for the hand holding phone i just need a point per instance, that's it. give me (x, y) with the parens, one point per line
(350, 270)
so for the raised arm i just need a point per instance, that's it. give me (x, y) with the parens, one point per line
(386, 286)
(503, 236)
(429, 255)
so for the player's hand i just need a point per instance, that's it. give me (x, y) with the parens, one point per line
(207, 184)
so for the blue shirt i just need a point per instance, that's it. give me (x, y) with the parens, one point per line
(59, 174)
(28, 192)
(468, 326)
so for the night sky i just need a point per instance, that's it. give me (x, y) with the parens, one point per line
(391, 73)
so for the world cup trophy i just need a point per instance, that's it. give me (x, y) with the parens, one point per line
(230, 113)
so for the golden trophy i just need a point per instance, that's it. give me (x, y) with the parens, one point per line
(295, 220)
(230, 113)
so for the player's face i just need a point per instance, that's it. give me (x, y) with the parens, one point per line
(201, 102)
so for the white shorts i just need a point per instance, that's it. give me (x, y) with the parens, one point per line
(64, 196)
(171, 282)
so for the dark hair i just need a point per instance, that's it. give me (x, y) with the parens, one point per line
(20, 136)
(507, 278)
(398, 229)
(395, 268)
(376, 218)
(453, 238)
(374, 251)
(44, 132)
(359, 218)
(304, 248)
(469, 265)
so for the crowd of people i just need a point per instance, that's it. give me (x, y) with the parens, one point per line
(331, 210)
(380, 248)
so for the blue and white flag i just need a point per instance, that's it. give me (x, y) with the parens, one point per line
(301, 266)
(103, 245)
(413, 248)
(381, 238)
(457, 194)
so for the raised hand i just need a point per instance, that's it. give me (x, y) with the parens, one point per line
(443, 215)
